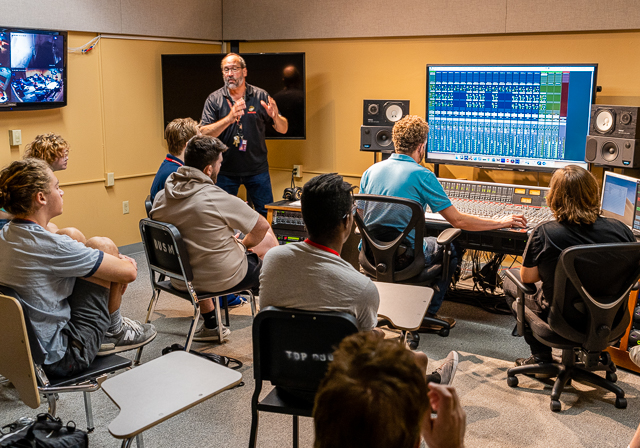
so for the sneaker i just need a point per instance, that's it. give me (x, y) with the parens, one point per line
(431, 327)
(132, 335)
(205, 334)
(447, 369)
(534, 360)
(234, 301)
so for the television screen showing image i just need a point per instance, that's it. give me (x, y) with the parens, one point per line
(525, 117)
(32, 69)
(188, 79)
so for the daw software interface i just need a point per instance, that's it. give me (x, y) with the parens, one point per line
(620, 199)
(525, 117)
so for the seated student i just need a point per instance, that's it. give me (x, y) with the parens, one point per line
(177, 134)
(402, 176)
(206, 217)
(54, 150)
(311, 276)
(72, 292)
(375, 395)
(51, 148)
(574, 200)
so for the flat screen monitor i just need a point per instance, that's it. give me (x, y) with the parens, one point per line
(188, 79)
(33, 71)
(620, 199)
(524, 117)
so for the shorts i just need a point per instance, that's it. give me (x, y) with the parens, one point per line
(85, 330)
(251, 280)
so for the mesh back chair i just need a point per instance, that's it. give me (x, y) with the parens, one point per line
(21, 358)
(589, 311)
(148, 205)
(167, 256)
(387, 256)
(292, 350)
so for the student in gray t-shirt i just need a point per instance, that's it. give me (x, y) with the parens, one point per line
(71, 291)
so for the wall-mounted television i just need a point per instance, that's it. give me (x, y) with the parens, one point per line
(522, 117)
(33, 69)
(188, 79)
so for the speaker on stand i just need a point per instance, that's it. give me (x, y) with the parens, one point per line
(378, 118)
(614, 137)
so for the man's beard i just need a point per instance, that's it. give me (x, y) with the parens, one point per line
(214, 177)
(236, 83)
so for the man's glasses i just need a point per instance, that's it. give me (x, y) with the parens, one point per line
(228, 70)
(354, 207)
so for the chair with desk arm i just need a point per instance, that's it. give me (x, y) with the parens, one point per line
(385, 254)
(292, 350)
(589, 311)
(167, 256)
(21, 359)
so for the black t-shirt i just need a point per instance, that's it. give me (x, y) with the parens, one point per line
(549, 239)
(254, 121)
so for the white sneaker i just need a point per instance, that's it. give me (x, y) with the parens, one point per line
(204, 334)
(132, 335)
(448, 368)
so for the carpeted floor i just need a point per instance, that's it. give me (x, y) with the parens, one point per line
(497, 415)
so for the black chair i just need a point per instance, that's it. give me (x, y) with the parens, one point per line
(148, 205)
(292, 350)
(589, 311)
(167, 256)
(386, 255)
(21, 359)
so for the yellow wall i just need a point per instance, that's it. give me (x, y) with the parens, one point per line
(114, 117)
(343, 72)
(113, 123)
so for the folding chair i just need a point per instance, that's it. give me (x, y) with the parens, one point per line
(292, 349)
(167, 256)
(21, 358)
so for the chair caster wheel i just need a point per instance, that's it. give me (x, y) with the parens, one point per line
(555, 406)
(605, 358)
(444, 332)
(621, 403)
(610, 376)
(512, 381)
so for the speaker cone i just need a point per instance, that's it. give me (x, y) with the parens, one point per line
(383, 137)
(609, 151)
(604, 121)
(394, 113)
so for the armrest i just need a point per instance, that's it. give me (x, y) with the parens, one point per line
(448, 235)
(523, 288)
(636, 286)
(527, 288)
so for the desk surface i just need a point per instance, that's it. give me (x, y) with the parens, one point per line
(164, 387)
(404, 305)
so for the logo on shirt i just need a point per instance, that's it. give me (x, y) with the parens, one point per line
(251, 108)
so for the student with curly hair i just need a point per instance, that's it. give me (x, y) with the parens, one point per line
(51, 148)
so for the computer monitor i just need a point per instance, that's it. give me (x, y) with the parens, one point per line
(620, 199)
(525, 117)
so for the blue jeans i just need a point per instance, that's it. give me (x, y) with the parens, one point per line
(258, 188)
(431, 256)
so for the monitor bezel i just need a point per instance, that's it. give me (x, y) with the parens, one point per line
(43, 105)
(500, 166)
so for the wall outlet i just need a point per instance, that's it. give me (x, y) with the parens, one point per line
(297, 171)
(15, 137)
(125, 207)
(110, 180)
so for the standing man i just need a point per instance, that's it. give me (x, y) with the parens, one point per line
(238, 114)
(401, 175)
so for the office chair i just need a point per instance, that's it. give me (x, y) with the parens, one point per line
(292, 350)
(21, 359)
(589, 312)
(386, 256)
(148, 205)
(167, 256)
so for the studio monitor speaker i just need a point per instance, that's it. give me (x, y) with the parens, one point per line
(614, 121)
(376, 138)
(613, 152)
(384, 112)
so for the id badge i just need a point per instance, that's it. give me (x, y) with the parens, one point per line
(243, 146)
